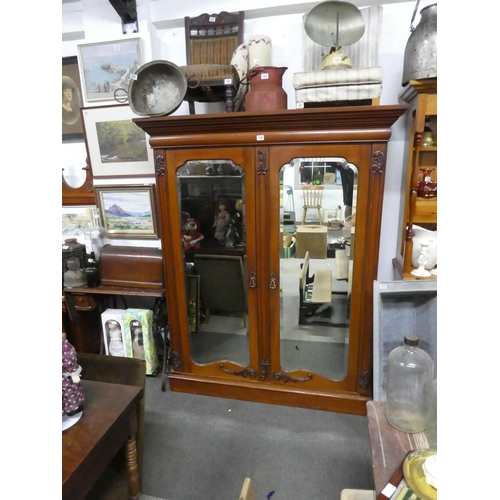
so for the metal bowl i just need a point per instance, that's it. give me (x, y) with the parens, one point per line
(158, 89)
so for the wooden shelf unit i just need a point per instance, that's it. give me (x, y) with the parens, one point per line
(421, 96)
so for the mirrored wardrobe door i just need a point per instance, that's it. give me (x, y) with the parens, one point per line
(212, 211)
(317, 220)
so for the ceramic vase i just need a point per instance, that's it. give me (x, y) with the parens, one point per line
(259, 51)
(422, 235)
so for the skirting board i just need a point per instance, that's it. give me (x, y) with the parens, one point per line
(401, 308)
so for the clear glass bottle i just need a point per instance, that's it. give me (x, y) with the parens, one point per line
(94, 235)
(410, 372)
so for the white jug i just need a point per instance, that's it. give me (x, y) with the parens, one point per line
(421, 234)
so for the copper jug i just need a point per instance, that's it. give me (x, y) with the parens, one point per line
(266, 92)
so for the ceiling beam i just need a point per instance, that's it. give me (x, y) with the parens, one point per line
(127, 10)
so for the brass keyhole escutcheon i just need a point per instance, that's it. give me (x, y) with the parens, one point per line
(272, 284)
(253, 281)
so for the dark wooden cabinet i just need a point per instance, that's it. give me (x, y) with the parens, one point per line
(273, 358)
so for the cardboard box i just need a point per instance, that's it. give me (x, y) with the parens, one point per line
(139, 338)
(312, 238)
(113, 331)
(289, 246)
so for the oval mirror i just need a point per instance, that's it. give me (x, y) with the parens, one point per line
(74, 157)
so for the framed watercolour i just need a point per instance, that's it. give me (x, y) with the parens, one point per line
(106, 67)
(116, 146)
(128, 211)
(72, 127)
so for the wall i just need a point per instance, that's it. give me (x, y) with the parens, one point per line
(161, 27)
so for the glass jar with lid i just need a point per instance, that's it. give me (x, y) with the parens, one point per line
(73, 263)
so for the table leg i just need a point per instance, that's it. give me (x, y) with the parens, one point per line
(132, 469)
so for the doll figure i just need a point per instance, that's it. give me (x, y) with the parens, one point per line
(239, 222)
(115, 339)
(72, 392)
(191, 237)
(138, 343)
(231, 234)
(221, 221)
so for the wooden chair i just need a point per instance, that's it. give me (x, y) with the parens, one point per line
(210, 43)
(247, 491)
(319, 286)
(313, 199)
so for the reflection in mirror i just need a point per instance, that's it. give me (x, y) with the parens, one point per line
(74, 156)
(316, 264)
(212, 213)
(74, 222)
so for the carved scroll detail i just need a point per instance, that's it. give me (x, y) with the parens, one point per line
(265, 369)
(288, 378)
(244, 373)
(364, 380)
(262, 168)
(160, 165)
(176, 359)
(378, 162)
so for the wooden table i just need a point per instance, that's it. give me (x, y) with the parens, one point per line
(109, 421)
(389, 446)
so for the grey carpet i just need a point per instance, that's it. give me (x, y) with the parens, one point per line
(202, 448)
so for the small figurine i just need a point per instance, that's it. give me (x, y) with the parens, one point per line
(231, 234)
(221, 221)
(191, 237)
(72, 392)
(239, 222)
(137, 343)
(115, 339)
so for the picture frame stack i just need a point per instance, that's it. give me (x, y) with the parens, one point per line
(96, 112)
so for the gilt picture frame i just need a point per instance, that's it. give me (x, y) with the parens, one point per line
(128, 211)
(116, 146)
(106, 67)
(72, 126)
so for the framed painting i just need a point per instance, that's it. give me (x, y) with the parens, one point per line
(106, 67)
(128, 211)
(116, 146)
(72, 127)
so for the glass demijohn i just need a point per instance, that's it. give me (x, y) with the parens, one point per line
(410, 372)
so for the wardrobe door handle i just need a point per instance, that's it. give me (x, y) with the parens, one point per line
(272, 284)
(253, 281)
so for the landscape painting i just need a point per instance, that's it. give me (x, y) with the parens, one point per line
(127, 211)
(116, 146)
(121, 141)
